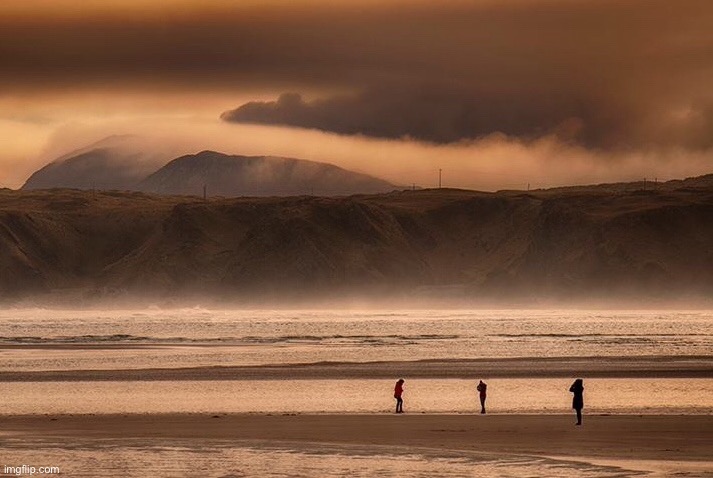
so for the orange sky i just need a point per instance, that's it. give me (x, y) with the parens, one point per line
(503, 93)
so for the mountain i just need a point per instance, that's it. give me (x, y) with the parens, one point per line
(231, 176)
(575, 245)
(114, 163)
(131, 163)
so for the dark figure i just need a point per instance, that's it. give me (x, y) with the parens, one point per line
(482, 389)
(577, 389)
(398, 391)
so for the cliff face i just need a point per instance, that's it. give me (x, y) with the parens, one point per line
(528, 245)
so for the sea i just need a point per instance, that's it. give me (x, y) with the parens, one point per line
(34, 340)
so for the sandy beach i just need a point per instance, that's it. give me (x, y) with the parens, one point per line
(611, 367)
(669, 438)
(302, 394)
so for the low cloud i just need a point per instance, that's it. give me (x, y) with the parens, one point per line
(489, 163)
(439, 114)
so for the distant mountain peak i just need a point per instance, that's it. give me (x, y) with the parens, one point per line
(98, 168)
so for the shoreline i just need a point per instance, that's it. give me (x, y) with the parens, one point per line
(519, 367)
(615, 437)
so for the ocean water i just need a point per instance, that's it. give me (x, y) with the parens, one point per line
(35, 340)
(69, 340)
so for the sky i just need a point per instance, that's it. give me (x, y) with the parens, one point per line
(498, 94)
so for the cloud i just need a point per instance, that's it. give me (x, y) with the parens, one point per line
(432, 113)
(490, 163)
(608, 81)
(606, 75)
(437, 114)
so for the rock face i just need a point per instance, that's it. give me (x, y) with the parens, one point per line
(231, 176)
(648, 244)
(114, 163)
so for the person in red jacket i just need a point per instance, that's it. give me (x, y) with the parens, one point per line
(398, 391)
(482, 390)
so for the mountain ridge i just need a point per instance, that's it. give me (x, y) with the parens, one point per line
(127, 163)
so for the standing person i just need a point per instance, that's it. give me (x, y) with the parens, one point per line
(398, 391)
(482, 390)
(577, 389)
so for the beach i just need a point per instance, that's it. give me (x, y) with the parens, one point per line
(227, 394)
(624, 437)
(636, 443)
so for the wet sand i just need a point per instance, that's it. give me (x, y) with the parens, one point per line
(525, 367)
(623, 437)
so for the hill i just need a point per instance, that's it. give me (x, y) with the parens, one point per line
(705, 181)
(529, 246)
(127, 163)
(114, 163)
(232, 176)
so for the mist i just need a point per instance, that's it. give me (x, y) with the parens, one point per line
(489, 163)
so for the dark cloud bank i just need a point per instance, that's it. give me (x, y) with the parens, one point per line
(440, 115)
(601, 73)
(605, 75)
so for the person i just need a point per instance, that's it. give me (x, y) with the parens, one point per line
(398, 391)
(577, 389)
(482, 389)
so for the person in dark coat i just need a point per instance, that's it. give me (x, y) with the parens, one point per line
(482, 389)
(577, 389)
(398, 391)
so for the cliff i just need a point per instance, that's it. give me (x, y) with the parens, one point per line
(538, 245)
